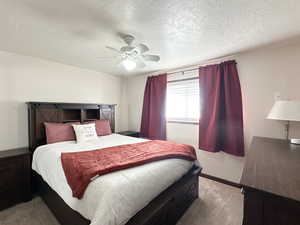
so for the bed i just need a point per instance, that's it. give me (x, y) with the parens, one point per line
(132, 196)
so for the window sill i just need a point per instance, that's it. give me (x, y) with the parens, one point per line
(182, 122)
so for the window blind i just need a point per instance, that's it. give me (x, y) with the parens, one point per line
(183, 100)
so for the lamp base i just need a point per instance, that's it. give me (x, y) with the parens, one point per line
(295, 141)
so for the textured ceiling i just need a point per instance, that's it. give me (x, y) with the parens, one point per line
(182, 32)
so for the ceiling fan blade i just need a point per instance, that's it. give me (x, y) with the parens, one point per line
(154, 58)
(126, 49)
(127, 38)
(113, 49)
(142, 48)
(140, 64)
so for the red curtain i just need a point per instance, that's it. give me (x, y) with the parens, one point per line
(221, 120)
(153, 124)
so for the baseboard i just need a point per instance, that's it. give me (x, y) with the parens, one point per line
(220, 180)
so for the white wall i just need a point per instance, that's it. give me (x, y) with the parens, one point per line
(24, 78)
(262, 72)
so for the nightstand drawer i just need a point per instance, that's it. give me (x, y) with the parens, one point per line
(11, 172)
(14, 177)
(10, 197)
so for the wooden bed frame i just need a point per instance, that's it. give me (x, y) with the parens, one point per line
(165, 209)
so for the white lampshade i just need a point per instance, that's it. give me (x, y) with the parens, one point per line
(129, 64)
(285, 110)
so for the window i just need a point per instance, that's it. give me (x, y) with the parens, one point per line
(183, 100)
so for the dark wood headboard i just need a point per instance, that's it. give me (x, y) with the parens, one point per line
(40, 112)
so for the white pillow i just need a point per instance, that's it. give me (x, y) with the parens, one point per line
(85, 132)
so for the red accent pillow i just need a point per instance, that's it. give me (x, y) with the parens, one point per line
(57, 132)
(102, 127)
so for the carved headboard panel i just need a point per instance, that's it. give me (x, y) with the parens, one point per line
(40, 112)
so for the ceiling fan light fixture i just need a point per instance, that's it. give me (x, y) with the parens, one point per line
(129, 64)
(132, 54)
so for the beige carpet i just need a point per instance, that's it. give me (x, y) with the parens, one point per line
(218, 204)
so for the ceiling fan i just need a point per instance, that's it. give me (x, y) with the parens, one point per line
(132, 55)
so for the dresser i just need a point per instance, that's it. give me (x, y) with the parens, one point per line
(14, 177)
(271, 183)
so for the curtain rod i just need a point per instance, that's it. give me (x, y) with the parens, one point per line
(203, 63)
(182, 71)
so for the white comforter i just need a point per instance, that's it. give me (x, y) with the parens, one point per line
(114, 198)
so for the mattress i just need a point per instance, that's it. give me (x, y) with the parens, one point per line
(114, 198)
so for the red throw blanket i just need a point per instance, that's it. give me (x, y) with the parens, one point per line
(81, 167)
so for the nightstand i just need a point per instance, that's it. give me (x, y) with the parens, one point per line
(14, 177)
(130, 133)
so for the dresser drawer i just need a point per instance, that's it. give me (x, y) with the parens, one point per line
(280, 211)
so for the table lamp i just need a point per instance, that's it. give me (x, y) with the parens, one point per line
(286, 111)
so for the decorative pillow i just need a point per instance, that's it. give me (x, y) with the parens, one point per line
(57, 132)
(102, 127)
(85, 132)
